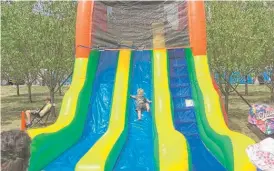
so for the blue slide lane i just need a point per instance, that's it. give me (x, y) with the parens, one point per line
(137, 153)
(98, 114)
(184, 116)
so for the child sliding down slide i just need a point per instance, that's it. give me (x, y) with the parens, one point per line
(142, 103)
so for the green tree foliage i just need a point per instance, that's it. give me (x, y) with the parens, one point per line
(18, 42)
(57, 23)
(267, 39)
(38, 39)
(238, 35)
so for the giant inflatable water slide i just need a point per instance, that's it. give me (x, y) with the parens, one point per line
(159, 46)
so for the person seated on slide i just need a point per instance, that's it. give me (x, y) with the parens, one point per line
(15, 150)
(142, 103)
(38, 112)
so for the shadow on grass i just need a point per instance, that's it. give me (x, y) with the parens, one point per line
(6, 122)
(24, 95)
(48, 123)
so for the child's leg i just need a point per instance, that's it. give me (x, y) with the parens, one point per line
(147, 106)
(28, 116)
(139, 114)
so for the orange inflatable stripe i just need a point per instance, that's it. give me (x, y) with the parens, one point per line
(23, 121)
(197, 27)
(83, 28)
(221, 99)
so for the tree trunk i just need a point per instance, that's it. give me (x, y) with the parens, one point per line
(227, 88)
(43, 82)
(17, 89)
(60, 89)
(219, 80)
(52, 101)
(272, 86)
(29, 92)
(272, 94)
(226, 102)
(246, 85)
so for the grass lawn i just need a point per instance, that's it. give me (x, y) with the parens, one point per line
(12, 105)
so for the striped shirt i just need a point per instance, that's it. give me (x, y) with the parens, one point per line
(140, 99)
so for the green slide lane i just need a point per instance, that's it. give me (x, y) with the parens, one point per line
(217, 144)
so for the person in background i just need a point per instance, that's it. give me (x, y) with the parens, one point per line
(15, 150)
(38, 112)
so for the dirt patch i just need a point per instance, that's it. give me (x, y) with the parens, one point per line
(238, 109)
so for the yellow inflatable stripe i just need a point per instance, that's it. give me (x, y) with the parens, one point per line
(96, 157)
(173, 153)
(69, 102)
(215, 116)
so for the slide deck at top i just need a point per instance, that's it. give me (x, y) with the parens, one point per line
(137, 152)
(98, 113)
(184, 114)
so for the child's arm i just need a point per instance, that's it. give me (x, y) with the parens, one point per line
(134, 97)
(148, 101)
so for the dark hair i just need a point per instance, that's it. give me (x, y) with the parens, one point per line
(15, 150)
(48, 99)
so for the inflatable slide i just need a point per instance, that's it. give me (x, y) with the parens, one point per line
(159, 46)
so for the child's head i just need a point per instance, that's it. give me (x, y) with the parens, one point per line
(15, 150)
(140, 92)
(48, 100)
